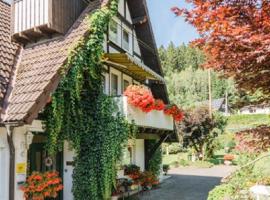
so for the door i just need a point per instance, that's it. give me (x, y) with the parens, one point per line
(40, 161)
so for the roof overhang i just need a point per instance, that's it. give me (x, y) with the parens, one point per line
(131, 65)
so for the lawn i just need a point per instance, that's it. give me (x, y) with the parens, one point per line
(241, 122)
(169, 159)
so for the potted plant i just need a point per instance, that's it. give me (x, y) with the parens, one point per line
(166, 169)
(39, 185)
(228, 159)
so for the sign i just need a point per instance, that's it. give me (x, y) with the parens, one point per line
(21, 168)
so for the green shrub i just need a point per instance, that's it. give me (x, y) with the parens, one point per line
(183, 162)
(221, 192)
(263, 166)
(203, 164)
(175, 164)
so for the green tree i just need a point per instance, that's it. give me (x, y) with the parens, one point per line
(187, 82)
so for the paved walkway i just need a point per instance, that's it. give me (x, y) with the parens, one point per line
(188, 184)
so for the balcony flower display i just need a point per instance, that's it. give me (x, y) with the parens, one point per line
(175, 112)
(140, 97)
(39, 186)
(159, 104)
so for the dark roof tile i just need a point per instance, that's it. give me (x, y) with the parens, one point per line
(8, 50)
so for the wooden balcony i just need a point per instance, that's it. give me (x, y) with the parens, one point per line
(34, 19)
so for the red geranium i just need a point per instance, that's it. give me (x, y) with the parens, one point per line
(141, 97)
(39, 186)
(159, 104)
(175, 112)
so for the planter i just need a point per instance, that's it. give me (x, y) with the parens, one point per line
(228, 162)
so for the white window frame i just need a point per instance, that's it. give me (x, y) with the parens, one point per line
(119, 86)
(114, 37)
(126, 78)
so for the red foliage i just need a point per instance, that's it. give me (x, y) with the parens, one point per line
(173, 110)
(255, 140)
(42, 185)
(141, 97)
(235, 36)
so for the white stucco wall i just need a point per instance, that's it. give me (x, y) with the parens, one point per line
(20, 157)
(139, 154)
(68, 170)
(4, 165)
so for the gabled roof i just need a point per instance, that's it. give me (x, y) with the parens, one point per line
(8, 50)
(37, 70)
(217, 104)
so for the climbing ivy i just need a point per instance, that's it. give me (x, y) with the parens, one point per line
(81, 114)
(156, 161)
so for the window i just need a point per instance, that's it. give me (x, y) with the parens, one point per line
(113, 31)
(126, 84)
(114, 85)
(125, 40)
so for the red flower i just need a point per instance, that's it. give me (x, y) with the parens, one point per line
(140, 97)
(41, 185)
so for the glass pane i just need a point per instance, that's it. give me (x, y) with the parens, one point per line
(125, 40)
(126, 84)
(113, 31)
(114, 85)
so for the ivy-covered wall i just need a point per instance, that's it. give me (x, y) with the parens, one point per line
(81, 114)
(155, 162)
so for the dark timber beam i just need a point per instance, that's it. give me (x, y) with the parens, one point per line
(149, 153)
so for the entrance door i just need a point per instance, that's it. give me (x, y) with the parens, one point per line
(39, 161)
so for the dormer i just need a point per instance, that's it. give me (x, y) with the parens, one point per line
(36, 19)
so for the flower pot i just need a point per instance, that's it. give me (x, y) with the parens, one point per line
(228, 162)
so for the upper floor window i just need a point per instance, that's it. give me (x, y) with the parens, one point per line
(125, 40)
(114, 85)
(113, 31)
(126, 84)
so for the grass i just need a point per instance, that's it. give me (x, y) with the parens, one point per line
(241, 122)
(171, 158)
(181, 159)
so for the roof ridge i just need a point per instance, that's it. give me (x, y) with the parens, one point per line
(2, 1)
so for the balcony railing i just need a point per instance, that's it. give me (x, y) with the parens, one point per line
(154, 119)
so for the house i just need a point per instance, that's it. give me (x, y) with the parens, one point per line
(218, 105)
(255, 109)
(35, 38)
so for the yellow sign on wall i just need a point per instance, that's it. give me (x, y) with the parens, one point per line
(21, 168)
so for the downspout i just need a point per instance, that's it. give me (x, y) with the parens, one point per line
(11, 161)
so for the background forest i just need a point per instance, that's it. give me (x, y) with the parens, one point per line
(188, 83)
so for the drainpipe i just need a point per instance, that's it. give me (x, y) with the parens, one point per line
(11, 161)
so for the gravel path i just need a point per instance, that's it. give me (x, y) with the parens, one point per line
(188, 184)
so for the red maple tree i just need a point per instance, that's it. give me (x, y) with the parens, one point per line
(235, 36)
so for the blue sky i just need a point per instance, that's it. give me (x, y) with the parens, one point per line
(166, 26)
